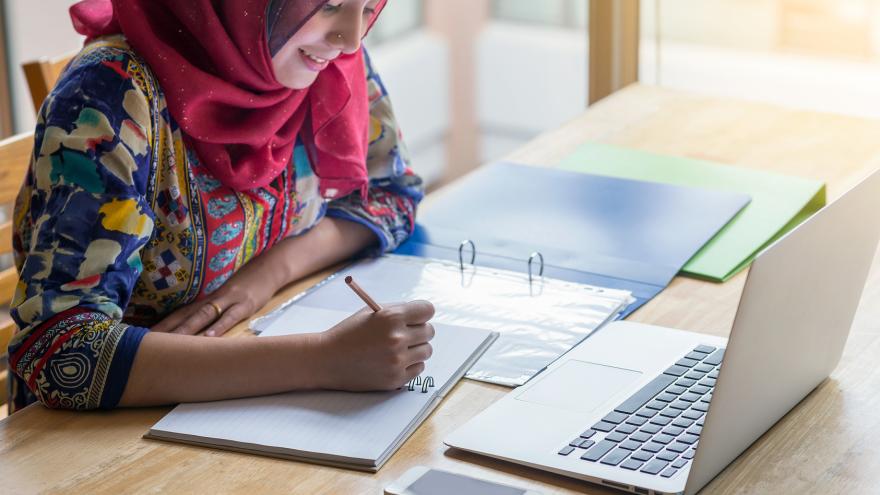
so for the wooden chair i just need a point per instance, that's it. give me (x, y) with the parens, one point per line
(42, 74)
(15, 155)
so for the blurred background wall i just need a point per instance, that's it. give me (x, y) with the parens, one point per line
(473, 79)
(33, 29)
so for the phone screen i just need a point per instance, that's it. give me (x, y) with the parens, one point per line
(443, 483)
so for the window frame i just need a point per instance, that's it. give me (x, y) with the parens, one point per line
(6, 121)
(613, 32)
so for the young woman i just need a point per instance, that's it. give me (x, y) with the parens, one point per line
(194, 158)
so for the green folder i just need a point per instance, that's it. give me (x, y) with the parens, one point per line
(779, 202)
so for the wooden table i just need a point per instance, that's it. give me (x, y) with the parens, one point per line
(830, 443)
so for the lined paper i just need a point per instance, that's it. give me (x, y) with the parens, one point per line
(345, 427)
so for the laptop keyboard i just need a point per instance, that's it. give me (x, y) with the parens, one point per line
(656, 430)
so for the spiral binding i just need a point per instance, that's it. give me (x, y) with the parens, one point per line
(428, 382)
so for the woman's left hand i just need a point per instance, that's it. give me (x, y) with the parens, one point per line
(239, 298)
(330, 241)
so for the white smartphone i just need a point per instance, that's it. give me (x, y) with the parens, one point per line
(422, 480)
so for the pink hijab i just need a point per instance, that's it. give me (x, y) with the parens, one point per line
(213, 63)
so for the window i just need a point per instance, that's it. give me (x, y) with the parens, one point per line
(473, 79)
(819, 55)
(398, 19)
(560, 13)
(532, 71)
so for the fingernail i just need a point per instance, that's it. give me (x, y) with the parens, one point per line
(209, 333)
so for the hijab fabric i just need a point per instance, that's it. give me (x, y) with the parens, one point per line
(213, 62)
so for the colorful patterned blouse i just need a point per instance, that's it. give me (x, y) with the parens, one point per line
(117, 224)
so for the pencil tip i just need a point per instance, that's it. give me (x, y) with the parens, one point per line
(348, 279)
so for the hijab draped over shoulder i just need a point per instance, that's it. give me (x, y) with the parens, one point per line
(213, 61)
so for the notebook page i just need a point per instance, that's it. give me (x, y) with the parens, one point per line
(323, 424)
(305, 319)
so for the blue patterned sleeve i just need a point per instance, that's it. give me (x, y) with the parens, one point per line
(81, 219)
(395, 190)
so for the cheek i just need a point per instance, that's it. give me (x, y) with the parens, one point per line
(290, 70)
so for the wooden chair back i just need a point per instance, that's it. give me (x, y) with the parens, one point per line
(15, 156)
(42, 74)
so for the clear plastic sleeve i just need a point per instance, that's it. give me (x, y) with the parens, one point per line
(538, 320)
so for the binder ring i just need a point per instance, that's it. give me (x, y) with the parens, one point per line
(461, 252)
(429, 382)
(540, 269)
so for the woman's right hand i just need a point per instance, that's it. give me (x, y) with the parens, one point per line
(380, 350)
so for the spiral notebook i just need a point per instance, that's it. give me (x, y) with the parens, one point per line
(344, 429)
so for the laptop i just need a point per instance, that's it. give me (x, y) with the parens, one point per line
(653, 410)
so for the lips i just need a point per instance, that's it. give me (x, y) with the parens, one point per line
(313, 62)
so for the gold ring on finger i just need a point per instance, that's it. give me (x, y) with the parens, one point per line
(217, 309)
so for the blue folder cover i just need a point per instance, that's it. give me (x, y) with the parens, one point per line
(591, 229)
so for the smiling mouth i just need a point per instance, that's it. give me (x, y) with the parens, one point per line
(315, 58)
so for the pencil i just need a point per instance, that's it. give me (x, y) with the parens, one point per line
(363, 295)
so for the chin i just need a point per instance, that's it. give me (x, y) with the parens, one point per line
(298, 82)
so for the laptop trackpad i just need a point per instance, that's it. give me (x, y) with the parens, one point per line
(579, 386)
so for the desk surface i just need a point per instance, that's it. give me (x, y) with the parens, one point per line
(830, 442)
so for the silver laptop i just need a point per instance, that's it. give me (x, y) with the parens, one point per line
(651, 410)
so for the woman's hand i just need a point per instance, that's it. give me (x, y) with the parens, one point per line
(330, 241)
(239, 298)
(367, 351)
(377, 351)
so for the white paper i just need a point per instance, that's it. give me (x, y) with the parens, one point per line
(300, 318)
